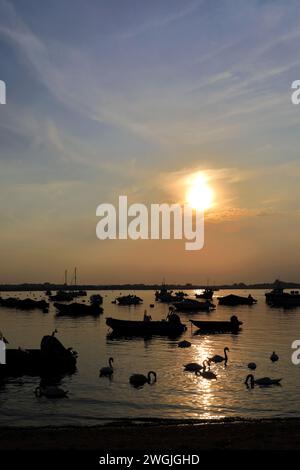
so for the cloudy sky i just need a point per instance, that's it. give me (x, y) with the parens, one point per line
(132, 97)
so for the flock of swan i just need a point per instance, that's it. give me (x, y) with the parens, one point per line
(204, 371)
(201, 370)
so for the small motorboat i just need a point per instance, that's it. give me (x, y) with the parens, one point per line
(129, 300)
(232, 326)
(24, 304)
(77, 293)
(76, 309)
(62, 296)
(166, 296)
(170, 327)
(191, 305)
(278, 298)
(96, 299)
(233, 300)
(206, 294)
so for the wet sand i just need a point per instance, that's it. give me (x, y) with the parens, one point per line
(273, 434)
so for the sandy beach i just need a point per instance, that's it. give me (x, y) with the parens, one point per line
(272, 434)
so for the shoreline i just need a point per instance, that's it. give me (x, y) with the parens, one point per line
(31, 287)
(170, 435)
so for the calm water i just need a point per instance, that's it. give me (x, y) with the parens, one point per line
(93, 400)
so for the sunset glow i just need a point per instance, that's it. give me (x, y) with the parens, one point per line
(200, 195)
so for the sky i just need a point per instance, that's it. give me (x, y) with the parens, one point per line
(106, 98)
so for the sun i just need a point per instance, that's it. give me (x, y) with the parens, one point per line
(199, 195)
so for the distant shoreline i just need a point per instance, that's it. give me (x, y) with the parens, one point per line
(265, 434)
(49, 286)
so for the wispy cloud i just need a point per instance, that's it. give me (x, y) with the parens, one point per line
(163, 21)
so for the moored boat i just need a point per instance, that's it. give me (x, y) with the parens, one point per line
(278, 298)
(206, 294)
(24, 304)
(166, 296)
(129, 300)
(232, 300)
(76, 309)
(62, 296)
(192, 305)
(170, 327)
(51, 358)
(96, 299)
(218, 326)
(77, 293)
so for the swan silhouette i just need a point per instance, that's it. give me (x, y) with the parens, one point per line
(193, 367)
(206, 373)
(51, 391)
(184, 344)
(274, 357)
(138, 380)
(262, 382)
(108, 370)
(217, 358)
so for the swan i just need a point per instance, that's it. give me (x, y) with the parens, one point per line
(263, 382)
(274, 357)
(108, 370)
(51, 391)
(138, 380)
(217, 358)
(206, 373)
(192, 367)
(252, 365)
(184, 344)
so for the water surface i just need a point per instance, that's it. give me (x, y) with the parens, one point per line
(93, 400)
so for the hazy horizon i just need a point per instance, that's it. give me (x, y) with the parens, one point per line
(134, 98)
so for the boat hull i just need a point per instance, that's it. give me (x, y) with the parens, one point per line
(282, 299)
(217, 326)
(142, 328)
(34, 362)
(24, 304)
(190, 306)
(78, 310)
(234, 300)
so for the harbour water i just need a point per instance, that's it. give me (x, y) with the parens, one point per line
(176, 394)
